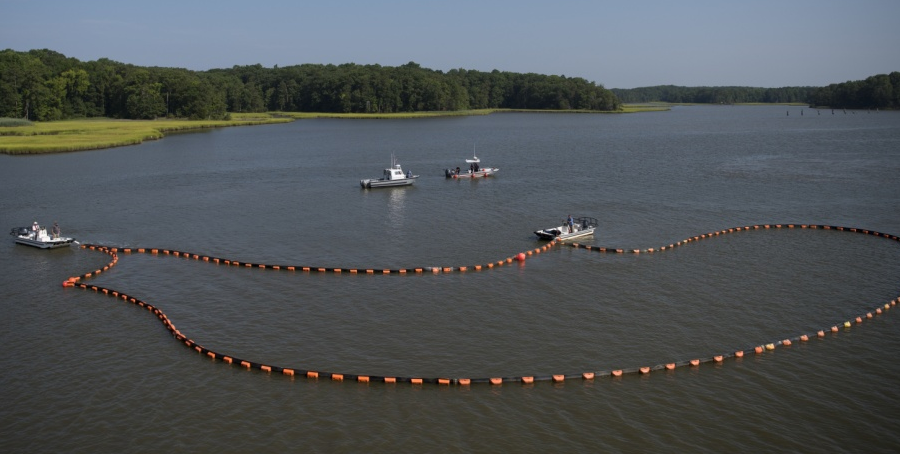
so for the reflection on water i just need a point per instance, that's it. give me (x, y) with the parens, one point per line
(386, 207)
(396, 207)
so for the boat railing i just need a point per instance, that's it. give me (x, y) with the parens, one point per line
(585, 222)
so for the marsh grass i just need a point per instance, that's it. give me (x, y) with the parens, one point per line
(14, 122)
(648, 107)
(384, 116)
(457, 113)
(92, 134)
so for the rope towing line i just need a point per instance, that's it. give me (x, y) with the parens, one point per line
(310, 374)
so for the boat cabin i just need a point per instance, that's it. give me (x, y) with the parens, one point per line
(394, 173)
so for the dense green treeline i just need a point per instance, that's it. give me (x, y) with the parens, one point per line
(714, 95)
(46, 85)
(875, 92)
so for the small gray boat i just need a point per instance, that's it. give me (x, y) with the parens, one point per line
(572, 228)
(393, 176)
(39, 238)
(475, 169)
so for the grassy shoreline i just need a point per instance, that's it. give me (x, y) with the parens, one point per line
(93, 134)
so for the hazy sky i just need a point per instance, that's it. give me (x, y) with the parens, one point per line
(619, 44)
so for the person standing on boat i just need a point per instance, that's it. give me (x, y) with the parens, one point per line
(55, 230)
(570, 222)
(35, 228)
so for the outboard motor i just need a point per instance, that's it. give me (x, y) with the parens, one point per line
(20, 231)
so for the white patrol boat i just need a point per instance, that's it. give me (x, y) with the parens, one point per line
(39, 238)
(572, 228)
(393, 176)
(475, 170)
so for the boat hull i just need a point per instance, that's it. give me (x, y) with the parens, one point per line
(563, 234)
(479, 174)
(50, 244)
(380, 183)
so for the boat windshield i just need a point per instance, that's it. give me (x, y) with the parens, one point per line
(585, 222)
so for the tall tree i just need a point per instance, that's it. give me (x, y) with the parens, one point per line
(144, 100)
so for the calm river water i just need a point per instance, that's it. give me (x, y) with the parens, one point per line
(84, 373)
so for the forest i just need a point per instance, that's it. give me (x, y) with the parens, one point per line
(44, 85)
(713, 95)
(875, 92)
